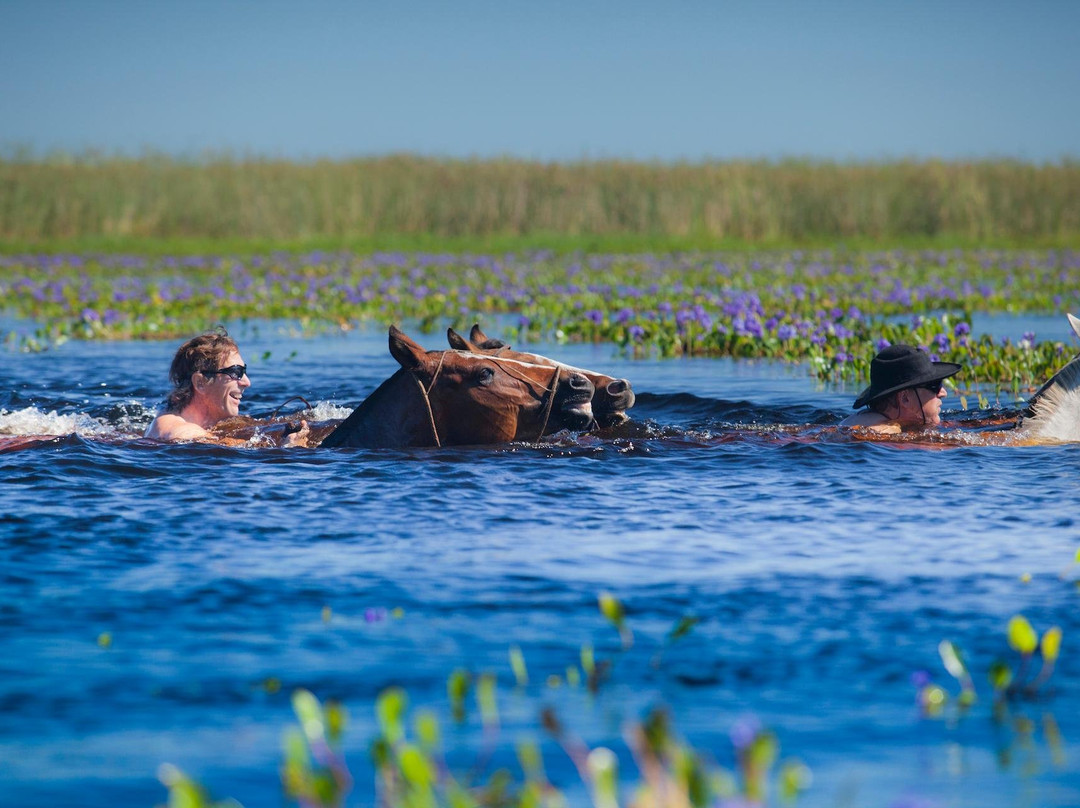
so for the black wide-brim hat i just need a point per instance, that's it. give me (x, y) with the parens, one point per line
(899, 367)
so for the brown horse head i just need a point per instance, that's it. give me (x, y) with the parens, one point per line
(448, 398)
(610, 402)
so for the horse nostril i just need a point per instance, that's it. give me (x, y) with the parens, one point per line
(618, 386)
(579, 382)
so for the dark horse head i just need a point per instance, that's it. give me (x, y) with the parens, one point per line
(453, 398)
(613, 397)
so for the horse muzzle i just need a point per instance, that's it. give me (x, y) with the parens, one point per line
(610, 403)
(577, 402)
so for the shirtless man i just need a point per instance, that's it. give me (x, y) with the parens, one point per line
(209, 379)
(905, 391)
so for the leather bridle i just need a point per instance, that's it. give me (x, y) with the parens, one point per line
(551, 390)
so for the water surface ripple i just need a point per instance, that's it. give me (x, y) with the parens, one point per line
(825, 571)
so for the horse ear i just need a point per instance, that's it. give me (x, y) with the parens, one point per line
(1074, 323)
(408, 354)
(483, 341)
(458, 342)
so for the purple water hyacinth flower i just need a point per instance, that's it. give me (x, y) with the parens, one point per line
(90, 316)
(842, 357)
(744, 730)
(524, 322)
(624, 315)
(786, 332)
(636, 333)
(942, 342)
(935, 358)
(595, 315)
(920, 679)
(374, 615)
(961, 329)
(665, 308)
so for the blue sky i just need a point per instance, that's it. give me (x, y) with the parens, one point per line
(550, 81)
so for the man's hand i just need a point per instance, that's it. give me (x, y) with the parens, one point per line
(296, 435)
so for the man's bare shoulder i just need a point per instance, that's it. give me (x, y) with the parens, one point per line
(868, 419)
(171, 427)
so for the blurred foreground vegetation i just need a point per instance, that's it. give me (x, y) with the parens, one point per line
(409, 202)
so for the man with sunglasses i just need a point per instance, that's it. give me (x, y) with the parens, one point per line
(905, 391)
(209, 379)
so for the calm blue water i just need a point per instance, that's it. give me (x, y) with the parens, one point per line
(825, 572)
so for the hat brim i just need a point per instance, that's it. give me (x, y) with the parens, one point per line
(938, 372)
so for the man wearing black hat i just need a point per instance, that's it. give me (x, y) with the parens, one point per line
(905, 391)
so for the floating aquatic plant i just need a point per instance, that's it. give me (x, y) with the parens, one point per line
(1005, 681)
(829, 309)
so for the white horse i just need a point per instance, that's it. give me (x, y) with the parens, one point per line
(1053, 413)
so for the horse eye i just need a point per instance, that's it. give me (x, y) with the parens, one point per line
(485, 375)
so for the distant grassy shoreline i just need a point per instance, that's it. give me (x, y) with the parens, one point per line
(498, 244)
(157, 205)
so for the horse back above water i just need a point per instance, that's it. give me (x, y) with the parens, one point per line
(613, 397)
(455, 398)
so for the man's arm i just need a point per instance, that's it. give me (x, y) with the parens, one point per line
(170, 427)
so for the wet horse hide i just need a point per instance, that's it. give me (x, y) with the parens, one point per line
(455, 398)
(613, 397)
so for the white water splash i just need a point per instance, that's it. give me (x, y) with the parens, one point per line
(326, 411)
(32, 421)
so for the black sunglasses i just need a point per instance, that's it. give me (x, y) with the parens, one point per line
(236, 372)
(933, 387)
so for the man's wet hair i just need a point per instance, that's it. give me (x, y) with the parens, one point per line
(199, 354)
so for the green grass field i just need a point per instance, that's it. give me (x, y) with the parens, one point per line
(159, 205)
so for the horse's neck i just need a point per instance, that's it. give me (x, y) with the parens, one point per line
(393, 416)
(1054, 411)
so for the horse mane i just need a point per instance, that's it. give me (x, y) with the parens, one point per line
(1054, 411)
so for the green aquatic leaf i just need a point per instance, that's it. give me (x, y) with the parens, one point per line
(485, 698)
(612, 609)
(794, 778)
(309, 713)
(1051, 644)
(1022, 637)
(603, 768)
(390, 709)
(457, 688)
(588, 661)
(517, 664)
(950, 656)
(532, 763)
(336, 717)
(933, 699)
(427, 730)
(416, 767)
(683, 627)
(1000, 676)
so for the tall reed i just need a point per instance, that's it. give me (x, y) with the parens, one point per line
(255, 198)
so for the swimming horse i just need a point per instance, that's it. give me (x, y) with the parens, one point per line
(613, 397)
(1053, 412)
(454, 398)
